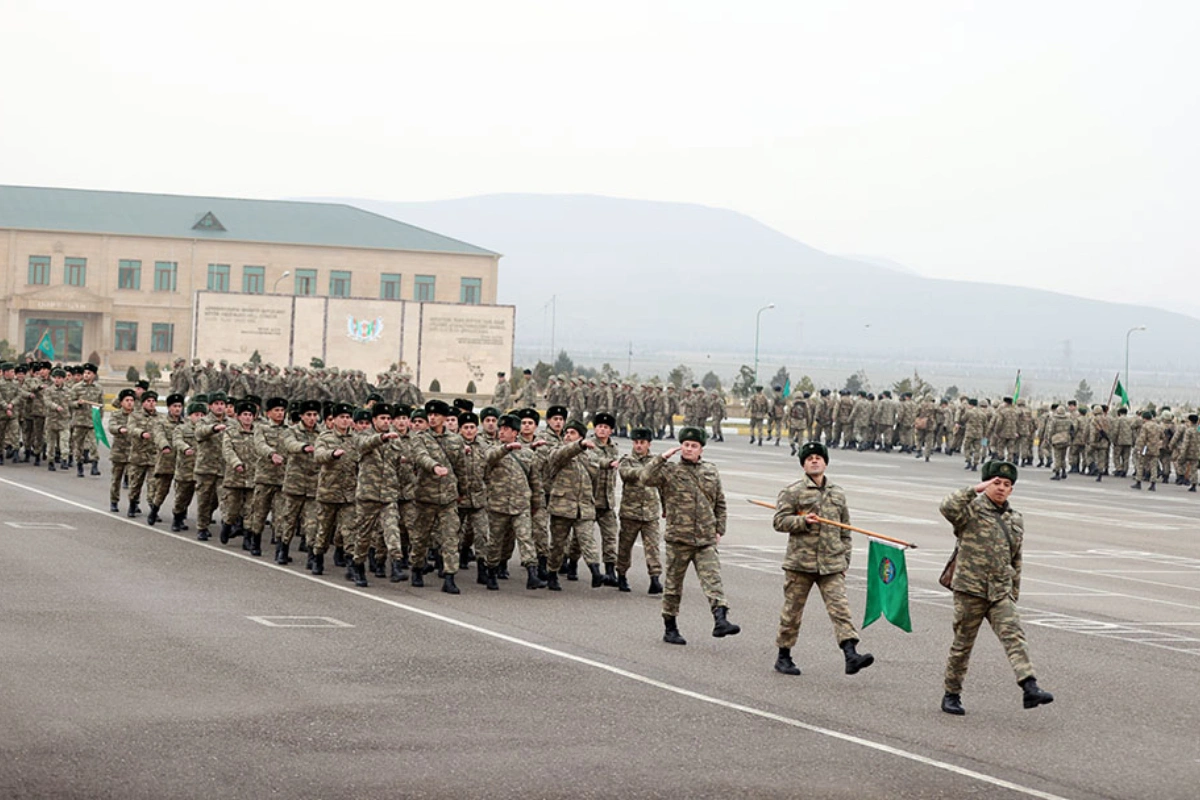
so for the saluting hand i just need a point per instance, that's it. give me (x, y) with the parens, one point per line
(667, 455)
(980, 487)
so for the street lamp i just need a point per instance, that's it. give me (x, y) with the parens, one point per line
(275, 286)
(757, 325)
(1127, 335)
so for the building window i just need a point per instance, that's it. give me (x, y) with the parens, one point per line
(39, 270)
(254, 279)
(218, 277)
(162, 337)
(76, 272)
(339, 283)
(129, 274)
(470, 291)
(126, 336)
(389, 286)
(306, 282)
(164, 276)
(423, 288)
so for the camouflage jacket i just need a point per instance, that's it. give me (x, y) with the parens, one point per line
(58, 407)
(164, 464)
(143, 449)
(268, 441)
(989, 545)
(300, 473)
(638, 502)
(975, 422)
(34, 392)
(430, 450)
(405, 476)
(337, 476)
(514, 485)
(237, 450)
(1122, 432)
(119, 441)
(570, 481)
(604, 477)
(81, 416)
(209, 458)
(1149, 438)
(759, 406)
(692, 498)
(473, 491)
(183, 439)
(1060, 428)
(823, 549)
(379, 465)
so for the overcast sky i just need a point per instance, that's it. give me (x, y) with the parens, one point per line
(1042, 144)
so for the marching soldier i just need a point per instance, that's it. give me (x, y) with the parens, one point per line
(270, 467)
(439, 458)
(298, 511)
(572, 504)
(336, 458)
(164, 463)
(639, 513)
(757, 409)
(209, 467)
(118, 431)
(145, 444)
(183, 442)
(514, 487)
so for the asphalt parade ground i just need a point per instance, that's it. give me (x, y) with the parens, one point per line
(137, 663)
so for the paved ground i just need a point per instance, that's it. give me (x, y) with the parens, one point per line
(137, 663)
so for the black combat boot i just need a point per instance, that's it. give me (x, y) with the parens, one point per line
(176, 523)
(752, 440)
(114, 508)
(572, 565)
(202, 534)
(303, 546)
(597, 578)
(464, 558)
(1035, 695)
(417, 580)
(952, 704)
(542, 572)
(349, 569)
(671, 634)
(655, 585)
(398, 573)
(480, 572)
(721, 625)
(439, 564)
(777, 441)
(95, 468)
(793, 448)
(552, 582)
(79, 469)
(623, 584)
(1099, 477)
(226, 532)
(240, 530)
(339, 556)
(255, 543)
(360, 575)
(50, 465)
(1151, 489)
(533, 581)
(610, 574)
(784, 663)
(489, 579)
(448, 584)
(318, 563)
(760, 441)
(152, 517)
(70, 461)
(380, 570)
(1192, 488)
(133, 510)
(281, 552)
(371, 560)
(855, 661)
(502, 571)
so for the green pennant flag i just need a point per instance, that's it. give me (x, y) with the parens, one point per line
(46, 346)
(887, 586)
(1121, 393)
(787, 388)
(1017, 388)
(98, 426)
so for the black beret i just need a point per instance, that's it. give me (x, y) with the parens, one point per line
(253, 398)
(468, 418)
(528, 372)
(310, 405)
(242, 406)
(90, 367)
(999, 469)
(530, 413)
(139, 384)
(172, 399)
(121, 395)
(690, 434)
(362, 415)
(275, 402)
(196, 408)
(814, 449)
(438, 407)
(21, 369)
(604, 418)
(341, 408)
(644, 434)
(489, 411)
(464, 404)
(576, 425)
(374, 397)
(402, 410)
(511, 421)
(556, 411)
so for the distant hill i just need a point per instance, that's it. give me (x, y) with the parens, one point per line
(690, 278)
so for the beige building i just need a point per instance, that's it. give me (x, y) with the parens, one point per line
(116, 274)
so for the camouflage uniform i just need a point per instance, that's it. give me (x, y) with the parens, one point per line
(436, 498)
(209, 468)
(1059, 430)
(164, 463)
(604, 485)
(1122, 437)
(514, 487)
(377, 512)
(237, 450)
(572, 504)
(639, 515)
(816, 555)
(9, 414)
(58, 417)
(298, 510)
(987, 581)
(1146, 449)
(268, 476)
(716, 410)
(757, 409)
(695, 507)
(144, 445)
(974, 425)
(118, 437)
(183, 442)
(337, 479)
(472, 500)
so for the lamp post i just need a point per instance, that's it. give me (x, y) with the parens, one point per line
(757, 326)
(275, 286)
(1127, 335)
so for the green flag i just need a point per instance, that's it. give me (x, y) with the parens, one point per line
(1121, 393)
(787, 388)
(1017, 388)
(46, 346)
(887, 586)
(98, 426)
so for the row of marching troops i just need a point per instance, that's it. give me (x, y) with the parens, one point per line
(645, 405)
(433, 487)
(1152, 446)
(265, 379)
(46, 415)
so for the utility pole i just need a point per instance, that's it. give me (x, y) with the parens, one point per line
(629, 361)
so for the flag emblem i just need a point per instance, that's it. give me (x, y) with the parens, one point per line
(887, 570)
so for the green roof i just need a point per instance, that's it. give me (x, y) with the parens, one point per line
(216, 218)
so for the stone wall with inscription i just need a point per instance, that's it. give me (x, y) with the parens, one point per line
(464, 343)
(233, 326)
(365, 334)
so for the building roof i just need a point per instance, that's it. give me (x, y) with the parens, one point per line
(216, 218)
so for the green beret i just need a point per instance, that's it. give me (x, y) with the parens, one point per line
(577, 426)
(218, 397)
(58, 373)
(814, 449)
(690, 434)
(197, 408)
(1000, 469)
(489, 411)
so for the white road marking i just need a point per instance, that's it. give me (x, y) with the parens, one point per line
(40, 526)
(300, 622)
(588, 662)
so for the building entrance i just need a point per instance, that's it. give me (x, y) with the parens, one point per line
(66, 337)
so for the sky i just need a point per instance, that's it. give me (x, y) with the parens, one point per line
(1050, 145)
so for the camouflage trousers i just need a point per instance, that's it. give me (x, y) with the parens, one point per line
(208, 488)
(716, 429)
(184, 492)
(775, 428)
(335, 523)
(630, 530)
(1075, 456)
(708, 570)
(796, 586)
(266, 500)
(1121, 453)
(969, 613)
(7, 426)
(137, 479)
(1147, 468)
(158, 488)
(297, 512)
(972, 449)
(399, 539)
(842, 432)
(1025, 447)
(1007, 450)
(437, 526)
(797, 431)
(927, 441)
(374, 523)
(1098, 457)
(905, 437)
(567, 534)
(114, 485)
(235, 502)
(1060, 457)
(822, 431)
(505, 530)
(57, 442)
(606, 521)
(473, 530)
(541, 529)
(81, 439)
(35, 433)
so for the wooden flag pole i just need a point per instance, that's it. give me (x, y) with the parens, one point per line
(842, 525)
